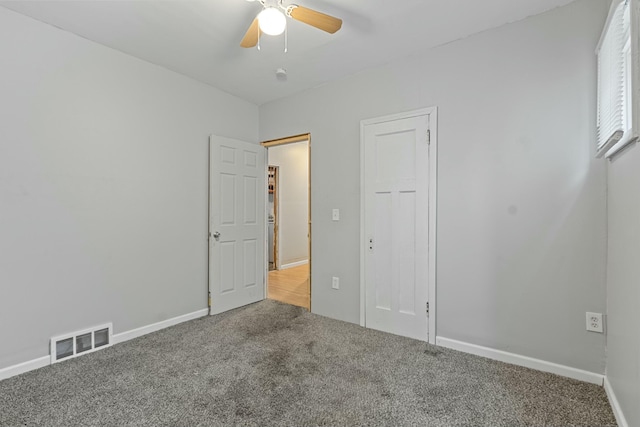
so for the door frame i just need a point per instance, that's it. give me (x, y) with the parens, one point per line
(432, 112)
(283, 141)
(276, 217)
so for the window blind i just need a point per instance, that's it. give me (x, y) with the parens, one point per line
(612, 120)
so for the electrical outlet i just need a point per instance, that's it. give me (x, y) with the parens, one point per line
(594, 322)
(335, 283)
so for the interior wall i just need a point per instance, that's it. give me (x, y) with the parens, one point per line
(521, 233)
(623, 287)
(103, 186)
(293, 200)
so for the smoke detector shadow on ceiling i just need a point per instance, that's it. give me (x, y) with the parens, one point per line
(281, 75)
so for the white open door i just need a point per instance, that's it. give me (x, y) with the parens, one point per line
(396, 225)
(237, 224)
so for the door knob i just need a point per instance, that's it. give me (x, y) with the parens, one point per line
(216, 235)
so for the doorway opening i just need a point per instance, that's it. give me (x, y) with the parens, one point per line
(289, 220)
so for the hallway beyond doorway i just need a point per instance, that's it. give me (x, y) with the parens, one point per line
(290, 286)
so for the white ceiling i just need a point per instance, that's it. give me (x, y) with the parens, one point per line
(201, 38)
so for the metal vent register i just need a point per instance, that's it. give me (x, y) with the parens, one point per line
(77, 343)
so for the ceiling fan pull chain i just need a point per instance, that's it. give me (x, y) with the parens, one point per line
(286, 39)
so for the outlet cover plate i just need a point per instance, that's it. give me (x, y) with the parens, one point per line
(594, 322)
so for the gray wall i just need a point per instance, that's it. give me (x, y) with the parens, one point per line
(521, 202)
(293, 199)
(103, 186)
(623, 285)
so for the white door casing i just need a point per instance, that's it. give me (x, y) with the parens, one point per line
(237, 223)
(398, 269)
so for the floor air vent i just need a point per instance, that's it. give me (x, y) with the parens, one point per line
(78, 343)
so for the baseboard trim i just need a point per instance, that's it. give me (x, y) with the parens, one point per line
(43, 361)
(294, 264)
(23, 367)
(144, 330)
(615, 405)
(517, 359)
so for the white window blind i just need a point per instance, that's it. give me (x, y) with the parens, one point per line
(614, 118)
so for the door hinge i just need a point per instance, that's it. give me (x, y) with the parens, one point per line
(209, 300)
(427, 307)
(428, 136)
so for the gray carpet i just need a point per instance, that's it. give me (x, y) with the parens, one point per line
(271, 364)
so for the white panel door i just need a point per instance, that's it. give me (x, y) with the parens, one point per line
(237, 224)
(396, 195)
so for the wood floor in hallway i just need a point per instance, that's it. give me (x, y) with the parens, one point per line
(291, 286)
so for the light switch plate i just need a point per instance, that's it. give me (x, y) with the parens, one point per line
(335, 215)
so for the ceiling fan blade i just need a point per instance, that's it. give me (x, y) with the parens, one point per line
(316, 19)
(251, 36)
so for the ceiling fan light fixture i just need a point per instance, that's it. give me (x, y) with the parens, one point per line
(272, 21)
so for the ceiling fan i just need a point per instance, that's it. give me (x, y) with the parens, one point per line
(272, 20)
